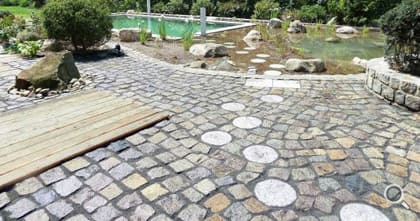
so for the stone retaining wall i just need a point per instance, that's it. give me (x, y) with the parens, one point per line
(395, 87)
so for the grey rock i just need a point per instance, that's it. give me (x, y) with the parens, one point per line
(98, 181)
(53, 175)
(296, 27)
(253, 35)
(237, 212)
(198, 173)
(305, 65)
(87, 172)
(274, 23)
(106, 213)
(285, 215)
(38, 215)
(60, 209)
(208, 50)
(4, 199)
(119, 146)
(67, 186)
(121, 171)
(328, 184)
(412, 102)
(142, 212)
(129, 201)
(171, 204)
(192, 213)
(304, 173)
(94, 203)
(346, 30)
(198, 64)
(82, 195)
(132, 34)
(45, 196)
(20, 208)
(325, 204)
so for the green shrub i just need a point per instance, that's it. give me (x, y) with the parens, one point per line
(231, 9)
(29, 48)
(210, 8)
(25, 3)
(264, 8)
(27, 35)
(312, 13)
(176, 7)
(84, 23)
(402, 29)
(159, 7)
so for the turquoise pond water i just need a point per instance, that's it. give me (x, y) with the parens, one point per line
(174, 28)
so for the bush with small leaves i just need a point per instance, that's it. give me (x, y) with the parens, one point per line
(84, 23)
(263, 9)
(402, 29)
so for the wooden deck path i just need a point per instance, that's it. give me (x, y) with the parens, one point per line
(37, 138)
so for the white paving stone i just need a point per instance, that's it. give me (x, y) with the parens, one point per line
(277, 66)
(247, 122)
(229, 43)
(233, 106)
(272, 98)
(259, 83)
(258, 61)
(263, 55)
(272, 73)
(274, 192)
(361, 212)
(260, 154)
(217, 138)
(249, 48)
(242, 52)
(286, 84)
(230, 46)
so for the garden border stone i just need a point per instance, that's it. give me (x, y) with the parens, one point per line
(393, 86)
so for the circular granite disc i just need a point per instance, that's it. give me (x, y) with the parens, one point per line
(233, 106)
(260, 154)
(275, 193)
(247, 122)
(272, 73)
(230, 46)
(257, 61)
(249, 48)
(229, 43)
(361, 212)
(272, 99)
(217, 138)
(277, 66)
(263, 55)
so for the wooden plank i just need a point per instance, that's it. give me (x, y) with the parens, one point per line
(31, 123)
(49, 105)
(69, 134)
(33, 137)
(73, 151)
(94, 130)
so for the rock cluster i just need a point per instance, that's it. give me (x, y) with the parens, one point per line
(296, 27)
(305, 65)
(209, 50)
(131, 34)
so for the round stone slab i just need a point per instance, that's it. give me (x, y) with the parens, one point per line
(361, 212)
(230, 46)
(272, 99)
(272, 73)
(229, 43)
(260, 154)
(242, 52)
(263, 55)
(258, 61)
(217, 138)
(277, 66)
(275, 193)
(249, 48)
(233, 106)
(247, 122)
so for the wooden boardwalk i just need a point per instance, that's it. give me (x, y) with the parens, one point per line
(37, 138)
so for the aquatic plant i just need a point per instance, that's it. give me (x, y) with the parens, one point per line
(365, 31)
(162, 28)
(331, 28)
(285, 25)
(188, 35)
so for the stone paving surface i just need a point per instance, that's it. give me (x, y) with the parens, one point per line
(336, 147)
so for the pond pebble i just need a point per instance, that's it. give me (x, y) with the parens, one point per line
(247, 122)
(229, 43)
(272, 99)
(260, 154)
(217, 138)
(242, 52)
(230, 46)
(233, 106)
(263, 55)
(274, 192)
(272, 73)
(249, 48)
(277, 66)
(361, 212)
(258, 61)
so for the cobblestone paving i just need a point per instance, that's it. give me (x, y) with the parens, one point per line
(334, 145)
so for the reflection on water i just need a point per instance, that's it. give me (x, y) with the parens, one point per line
(280, 46)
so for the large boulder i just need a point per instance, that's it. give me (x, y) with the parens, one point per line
(305, 65)
(253, 35)
(274, 23)
(346, 30)
(225, 65)
(131, 34)
(296, 27)
(53, 71)
(209, 50)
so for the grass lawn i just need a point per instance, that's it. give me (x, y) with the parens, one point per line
(19, 11)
